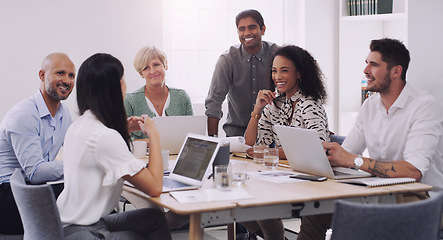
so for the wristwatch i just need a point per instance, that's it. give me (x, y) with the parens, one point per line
(358, 162)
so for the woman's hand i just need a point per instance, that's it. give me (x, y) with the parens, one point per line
(147, 125)
(264, 98)
(133, 125)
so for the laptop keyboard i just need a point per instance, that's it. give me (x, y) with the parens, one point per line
(171, 183)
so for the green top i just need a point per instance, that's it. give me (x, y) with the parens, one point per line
(135, 104)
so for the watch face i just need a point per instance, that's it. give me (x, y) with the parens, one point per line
(358, 162)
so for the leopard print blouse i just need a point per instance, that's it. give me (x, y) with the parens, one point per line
(308, 114)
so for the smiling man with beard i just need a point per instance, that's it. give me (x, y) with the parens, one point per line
(240, 73)
(400, 126)
(31, 134)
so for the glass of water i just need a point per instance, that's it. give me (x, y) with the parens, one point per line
(258, 153)
(222, 176)
(270, 158)
(238, 172)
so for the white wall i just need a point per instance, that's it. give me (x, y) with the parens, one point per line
(321, 40)
(30, 30)
(425, 34)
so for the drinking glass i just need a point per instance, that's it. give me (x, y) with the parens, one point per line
(258, 153)
(270, 158)
(222, 176)
(238, 172)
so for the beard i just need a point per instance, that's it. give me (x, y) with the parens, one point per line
(382, 85)
(53, 92)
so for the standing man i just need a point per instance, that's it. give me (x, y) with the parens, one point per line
(240, 73)
(401, 127)
(32, 133)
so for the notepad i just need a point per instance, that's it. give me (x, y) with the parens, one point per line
(377, 181)
(210, 195)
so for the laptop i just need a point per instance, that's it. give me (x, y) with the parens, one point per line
(192, 166)
(173, 130)
(305, 153)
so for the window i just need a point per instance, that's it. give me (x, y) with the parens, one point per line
(196, 32)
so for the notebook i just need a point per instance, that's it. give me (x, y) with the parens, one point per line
(377, 181)
(173, 130)
(305, 153)
(192, 166)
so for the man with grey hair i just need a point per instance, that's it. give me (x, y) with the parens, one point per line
(32, 133)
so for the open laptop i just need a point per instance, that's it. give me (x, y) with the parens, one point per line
(193, 163)
(173, 130)
(305, 153)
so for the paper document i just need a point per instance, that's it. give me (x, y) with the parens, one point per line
(275, 176)
(237, 144)
(210, 195)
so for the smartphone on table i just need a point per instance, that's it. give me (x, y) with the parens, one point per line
(309, 177)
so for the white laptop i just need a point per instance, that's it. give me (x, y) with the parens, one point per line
(193, 163)
(305, 153)
(173, 130)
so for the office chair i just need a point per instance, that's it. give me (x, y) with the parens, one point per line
(37, 207)
(10, 237)
(337, 138)
(416, 220)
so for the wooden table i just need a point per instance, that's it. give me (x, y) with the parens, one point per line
(282, 200)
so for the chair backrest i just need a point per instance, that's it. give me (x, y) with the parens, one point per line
(37, 207)
(337, 138)
(415, 220)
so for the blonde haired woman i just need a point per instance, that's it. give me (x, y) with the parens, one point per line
(155, 98)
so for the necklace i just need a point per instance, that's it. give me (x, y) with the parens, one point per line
(158, 104)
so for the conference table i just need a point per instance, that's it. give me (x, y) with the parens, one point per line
(276, 200)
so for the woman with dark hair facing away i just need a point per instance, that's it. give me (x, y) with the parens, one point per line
(297, 102)
(97, 160)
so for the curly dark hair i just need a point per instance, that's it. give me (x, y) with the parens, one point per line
(311, 77)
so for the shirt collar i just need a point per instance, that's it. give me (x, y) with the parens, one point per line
(41, 105)
(259, 55)
(43, 109)
(297, 95)
(400, 102)
(402, 99)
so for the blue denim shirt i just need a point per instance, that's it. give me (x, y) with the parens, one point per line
(30, 138)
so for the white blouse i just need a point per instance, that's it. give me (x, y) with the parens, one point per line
(95, 160)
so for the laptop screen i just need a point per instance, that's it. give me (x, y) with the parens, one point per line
(195, 157)
(174, 129)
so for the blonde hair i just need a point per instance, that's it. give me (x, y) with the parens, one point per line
(145, 55)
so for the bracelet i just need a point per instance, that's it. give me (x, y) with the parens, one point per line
(256, 116)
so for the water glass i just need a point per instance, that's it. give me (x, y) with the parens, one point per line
(258, 153)
(238, 171)
(271, 157)
(222, 176)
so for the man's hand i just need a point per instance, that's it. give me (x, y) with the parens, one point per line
(133, 125)
(337, 156)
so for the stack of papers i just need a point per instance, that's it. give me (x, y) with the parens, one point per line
(209, 195)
